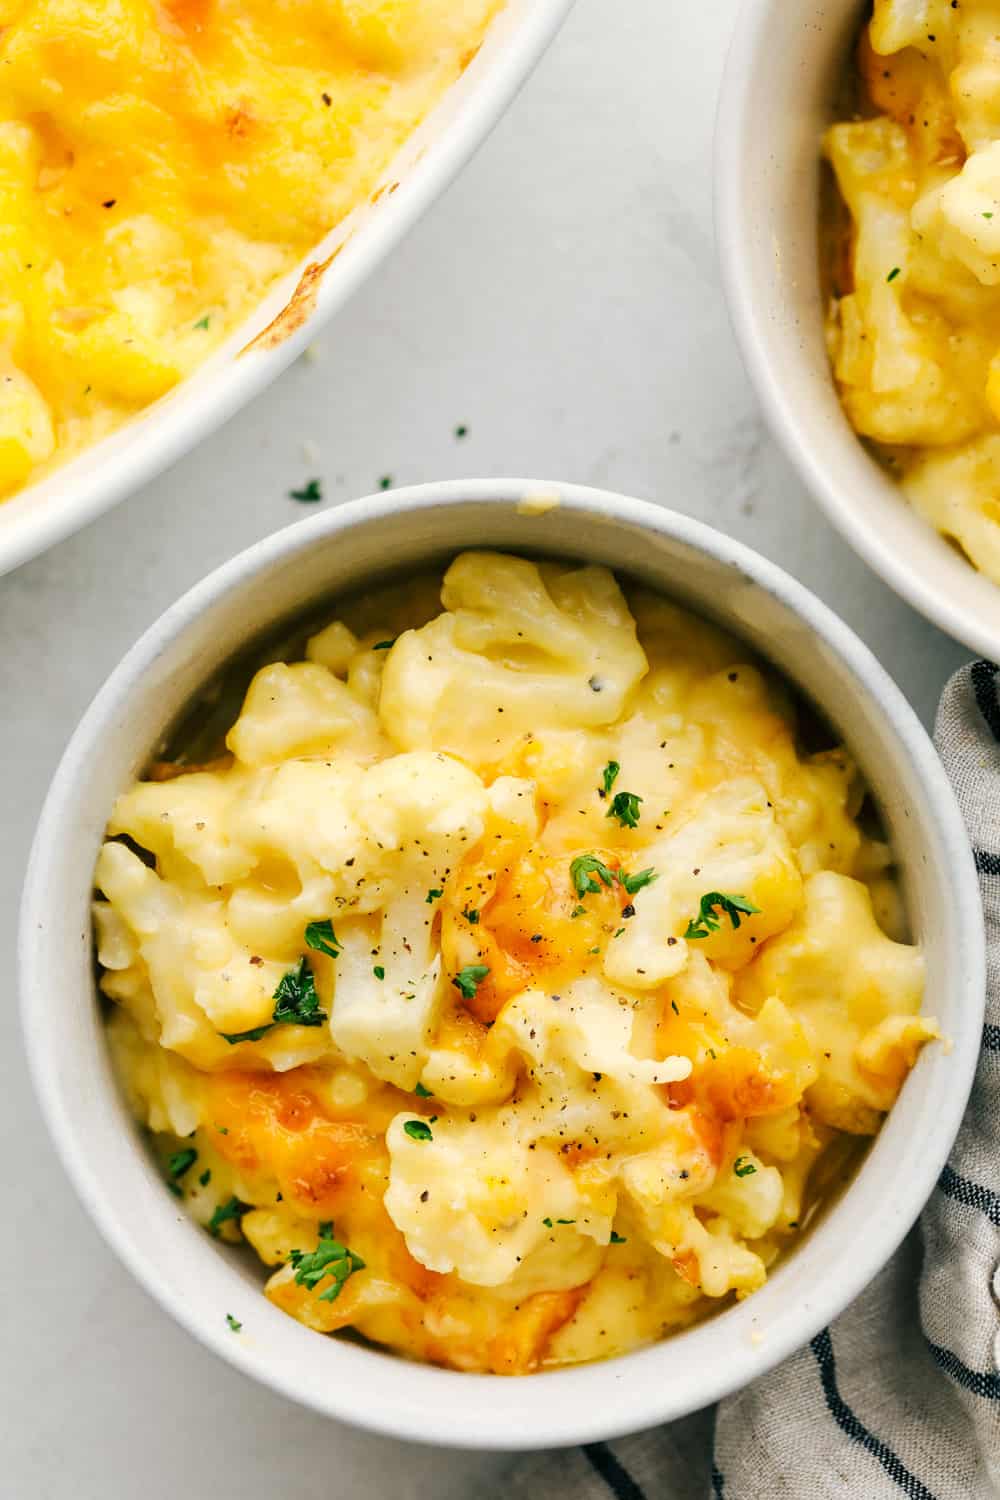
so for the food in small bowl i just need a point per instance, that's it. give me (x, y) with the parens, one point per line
(388, 1101)
(881, 283)
(914, 314)
(510, 976)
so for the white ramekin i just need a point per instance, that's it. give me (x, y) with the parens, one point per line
(777, 97)
(199, 1282)
(110, 471)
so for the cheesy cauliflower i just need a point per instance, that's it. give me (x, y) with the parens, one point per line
(163, 162)
(509, 978)
(914, 315)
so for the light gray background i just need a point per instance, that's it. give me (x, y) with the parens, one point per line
(563, 302)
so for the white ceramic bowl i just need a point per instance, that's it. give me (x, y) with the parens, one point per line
(777, 98)
(194, 1278)
(111, 470)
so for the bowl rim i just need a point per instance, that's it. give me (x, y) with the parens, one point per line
(48, 510)
(566, 1420)
(780, 398)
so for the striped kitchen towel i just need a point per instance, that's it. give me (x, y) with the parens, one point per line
(901, 1396)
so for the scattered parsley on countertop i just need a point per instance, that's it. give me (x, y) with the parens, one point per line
(733, 906)
(321, 937)
(309, 493)
(330, 1258)
(181, 1161)
(468, 980)
(743, 1167)
(418, 1130)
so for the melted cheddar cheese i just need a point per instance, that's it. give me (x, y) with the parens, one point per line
(162, 162)
(515, 946)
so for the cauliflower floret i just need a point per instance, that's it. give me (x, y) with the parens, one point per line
(731, 843)
(843, 978)
(517, 649)
(299, 710)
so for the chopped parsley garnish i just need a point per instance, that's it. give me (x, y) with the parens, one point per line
(233, 1323)
(202, 322)
(617, 1239)
(296, 1002)
(584, 869)
(321, 937)
(379, 971)
(987, 216)
(743, 1167)
(565, 1221)
(471, 915)
(633, 883)
(181, 1161)
(205, 1177)
(422, 1093)
(226, 1212)
(384, 645)
(893, 273)
(385, 483)
(610, 776)
(547, 1222)
(433, 896)
(309, 492)
(418, 1130)
(330, 1258)
(467, 980)
(577, 911)
(733, 906)
(625, 807)
(461, 431)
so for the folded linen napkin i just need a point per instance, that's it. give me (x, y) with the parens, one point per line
(900, 1398)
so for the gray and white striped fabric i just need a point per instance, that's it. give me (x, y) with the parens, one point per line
(901, 1396)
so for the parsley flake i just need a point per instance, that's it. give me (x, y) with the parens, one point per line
(467, 980)
(733, 906)
(634, 883)
(743, 1167)
(422, 1093)
(181, 1162)
(296, 1003)
(225, 1213)
(202, 322)
(321, 937)
(308, 494)
(330, 1258)
(233, 1323)
(418, 1130)
(609, 776)
(893, 273)
(547, 1222)
(205, 1177)
(384, 645)
(379, 971)
(433, 896)
(587, 872)
(618, 1239)
(625, 807)
(461, 431)
(470, 915)
(385, 483)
